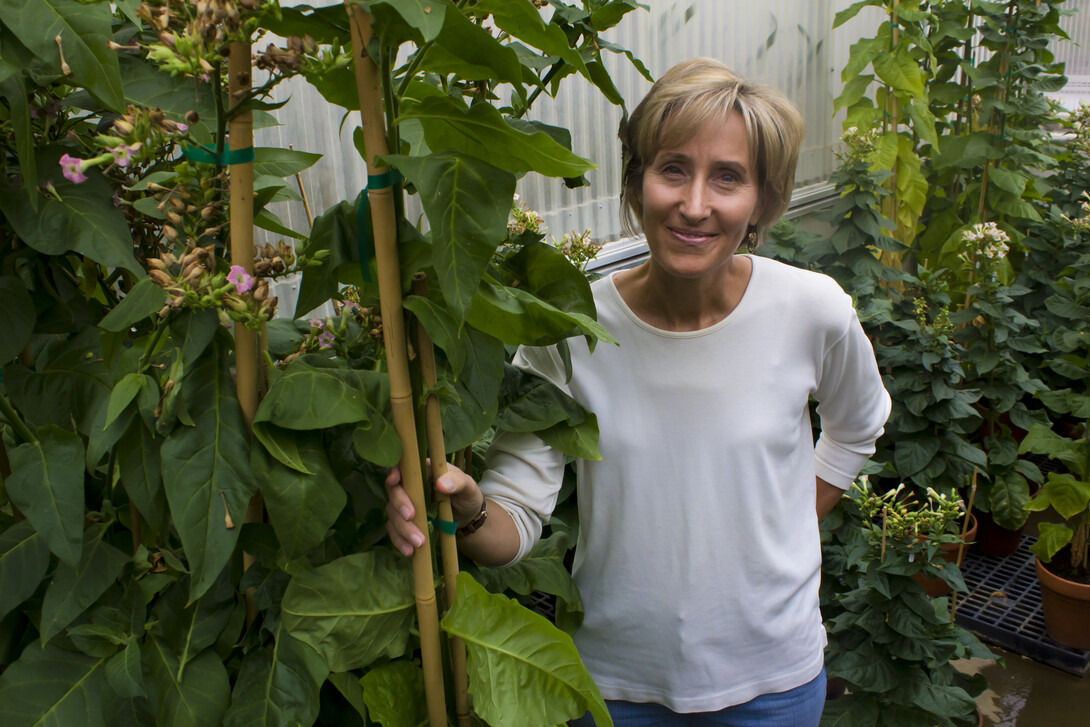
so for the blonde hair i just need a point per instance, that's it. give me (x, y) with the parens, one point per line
(684, 99)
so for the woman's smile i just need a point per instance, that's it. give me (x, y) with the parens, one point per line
(700, 199)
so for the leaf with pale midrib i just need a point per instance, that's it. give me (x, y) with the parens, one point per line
(353, 610)
(277, 684)
(523, 671)
(24, 558)
(197, 700)
(46, 483)
(205, 467)
(53, 687)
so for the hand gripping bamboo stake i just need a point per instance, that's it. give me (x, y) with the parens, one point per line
(448, 546)
(241, 182)
(393, 335)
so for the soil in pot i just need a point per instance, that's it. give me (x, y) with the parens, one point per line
(1066, 602)
(936, 587)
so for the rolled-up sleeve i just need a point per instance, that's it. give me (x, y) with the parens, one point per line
(523, 474)
(853, 406)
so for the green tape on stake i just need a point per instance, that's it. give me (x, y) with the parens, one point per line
(365, 235)
(227, 157)
(444, 526)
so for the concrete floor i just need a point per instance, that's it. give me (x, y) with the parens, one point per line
(1026, 693)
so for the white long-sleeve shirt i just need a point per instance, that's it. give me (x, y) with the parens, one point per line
(698, 558)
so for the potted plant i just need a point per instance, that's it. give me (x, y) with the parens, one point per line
(891, 643)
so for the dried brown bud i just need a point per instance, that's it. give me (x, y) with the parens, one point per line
(175, 218)
(170, 233)
(192, 117)
(160, 278)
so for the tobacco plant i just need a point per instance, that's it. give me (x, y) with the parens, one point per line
(167, 557)
(889, 641)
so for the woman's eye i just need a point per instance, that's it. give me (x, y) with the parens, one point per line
(729, 177)
(671, 169)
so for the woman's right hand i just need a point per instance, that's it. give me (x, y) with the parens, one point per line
(465, 503)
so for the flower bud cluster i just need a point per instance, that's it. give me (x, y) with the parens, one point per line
(986, 246)
(523, 218)
(903, 519)
(287, 60)
(860, 144)
(191, 282)
(579, 248)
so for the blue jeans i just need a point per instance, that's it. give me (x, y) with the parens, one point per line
(798, 707)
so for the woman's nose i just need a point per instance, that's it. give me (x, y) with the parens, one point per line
(694, 201)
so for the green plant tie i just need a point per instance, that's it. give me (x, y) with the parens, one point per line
(228, 157)
(365, 235)
(444, 526)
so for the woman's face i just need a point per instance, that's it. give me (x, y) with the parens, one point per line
(699, 199)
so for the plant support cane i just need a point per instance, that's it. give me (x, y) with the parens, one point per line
(448, 545)
(393, 334)
(241, 135)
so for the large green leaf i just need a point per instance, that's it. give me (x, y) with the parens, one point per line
(145, 85)
(70, 384)
(83, 220)
(24, 558)
(197, 700)
(144, 300)
(16, 317)
(14, 91)
(51, 687)
(302, 507)
(392, 693)
(84, 30)
(468, 51)
(522, 670)
(523, 20)
(517, 317)
(541, 570)
(353, 610)
(277, 162)
(480, 131)
(206, 468)
(901, 72)
(307, 397)
(188, 629)
(442, 329)
(467, 202)
(73, 589)
(1064, 493)
(911, 456)
(1052, 537)
(138, 457)
(529, 403)
(426, 17)
(471, 410)
(1043, 440)
(334, 230)
(545, 272)
(277, 684)
(46, 483)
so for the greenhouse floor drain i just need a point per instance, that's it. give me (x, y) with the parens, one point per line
(1004, 608)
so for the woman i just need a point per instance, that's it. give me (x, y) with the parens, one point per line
(698, 557)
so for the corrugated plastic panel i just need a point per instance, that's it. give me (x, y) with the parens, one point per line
(782, 42)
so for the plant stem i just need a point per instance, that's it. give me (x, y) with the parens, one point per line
(160, 329)
(20, 427)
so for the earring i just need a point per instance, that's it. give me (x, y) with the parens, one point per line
(751, 239)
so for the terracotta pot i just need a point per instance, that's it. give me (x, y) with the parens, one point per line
(936, 587)
(994, 539)
(1067, 608)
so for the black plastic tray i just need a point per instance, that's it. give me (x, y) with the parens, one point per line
(1004, 608)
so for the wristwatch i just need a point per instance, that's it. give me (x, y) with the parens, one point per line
(475, 524)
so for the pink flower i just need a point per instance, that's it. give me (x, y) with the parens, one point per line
(315, 322)
(182, 128)
(325, 340)
(70, 167)
(242, 280)
(122, 154)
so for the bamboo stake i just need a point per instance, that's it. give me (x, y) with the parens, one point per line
(241, 180)
(448, 545)
(368, 86)
(303, 194)
(961, 545)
